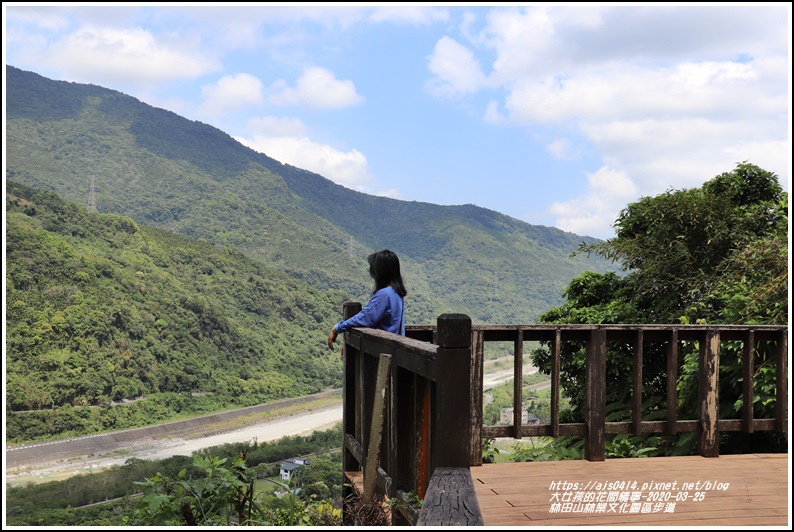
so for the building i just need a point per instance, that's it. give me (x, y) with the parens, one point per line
(292, 468)
(506, 417)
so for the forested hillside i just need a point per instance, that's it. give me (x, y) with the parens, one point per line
(100, 308)
(165, 171)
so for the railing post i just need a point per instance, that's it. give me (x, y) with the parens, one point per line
(451, 440)
(518, 382)
(781, 397)
(477, 347)
(708, 381)
(636, 394)
(555, 383)
(595, 399)
(672, 380)
(350, 414)
(748, 370)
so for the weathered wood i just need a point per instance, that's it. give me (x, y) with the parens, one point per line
(738, 425)
(353, 446)
(349, 409)
(418, 357)
(451, 435)
(403, 438)
(556, 346)
(595, 396)
(383, 481)
(518, 381)
(376, 427)
(565, 429)
(709, 443)
(451, 499)
(420, 363)
(747, 377)
(672, 382)
(422, 426)
(518, 495)
(781, 397)
(477, 349)
(406, 509)
(636, 395)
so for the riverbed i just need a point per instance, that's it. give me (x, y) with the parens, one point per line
(302, 423)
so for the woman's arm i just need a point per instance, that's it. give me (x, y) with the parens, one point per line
(369, 316)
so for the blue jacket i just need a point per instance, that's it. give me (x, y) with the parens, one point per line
(383, 311)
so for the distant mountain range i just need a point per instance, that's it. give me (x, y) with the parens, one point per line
(103, 149)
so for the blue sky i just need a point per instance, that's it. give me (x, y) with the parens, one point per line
(554, 114)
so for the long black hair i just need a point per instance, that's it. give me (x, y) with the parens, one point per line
(384, 268)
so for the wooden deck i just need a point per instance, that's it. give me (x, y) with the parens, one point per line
(742, 490)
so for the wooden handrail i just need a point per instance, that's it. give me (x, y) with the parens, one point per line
(426, 420)
(433, 427)
(595, 337)
(451, 499)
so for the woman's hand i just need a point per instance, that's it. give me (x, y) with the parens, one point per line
(332, 338)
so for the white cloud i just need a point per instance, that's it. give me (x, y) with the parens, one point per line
(347, 168)
(521, 39)
(317, 87)
(561, 149)
(407, 14)
(593, 214)
(44, 17)
(231, 93)
(455, 69)
(129, 56)
(669, 97)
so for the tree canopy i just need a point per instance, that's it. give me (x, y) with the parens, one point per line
(717, 254)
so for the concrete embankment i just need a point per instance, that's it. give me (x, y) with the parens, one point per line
(28, 455)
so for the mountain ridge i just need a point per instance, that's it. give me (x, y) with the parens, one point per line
(166, 171)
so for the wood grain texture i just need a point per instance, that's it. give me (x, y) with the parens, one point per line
(756, 492)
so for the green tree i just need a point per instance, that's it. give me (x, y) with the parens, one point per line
(714, 254)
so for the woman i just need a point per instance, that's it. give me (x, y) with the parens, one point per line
(385, 308)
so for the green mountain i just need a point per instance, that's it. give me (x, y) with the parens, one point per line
(100, 308)
(165, 171)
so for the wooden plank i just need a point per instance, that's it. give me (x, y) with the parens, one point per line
(451, 499)
(555, 383)
(518, 381)
(349, 408)
(477, 349)
(781, 400)
(708, 382)
(672, 382)
(747, 384)
(636, 395)
(451, 422)
(418, 357)
(376, 428)
(753, 490)
(403, 434)
(595, 396)
(422, 416)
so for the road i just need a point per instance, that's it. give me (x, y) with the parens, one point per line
(496, 378)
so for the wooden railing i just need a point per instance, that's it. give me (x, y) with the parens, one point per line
(595, 338)
(407, 402)
(416, 402)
